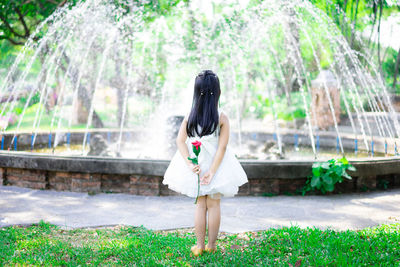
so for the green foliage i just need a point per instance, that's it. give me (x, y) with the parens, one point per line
(20, 18)
(152, 9)
(262, 106)
(382, 184)
(388, 68)
(8, 54)
(49, 245)
(352, 18)
(360, 10)
(29, 118)
(34, 99)
(326, 174)
(19, 108)
(349, 94)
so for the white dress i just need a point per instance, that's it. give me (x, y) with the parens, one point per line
(226, 181)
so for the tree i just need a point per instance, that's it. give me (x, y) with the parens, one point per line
(352, 16)
(20, 18)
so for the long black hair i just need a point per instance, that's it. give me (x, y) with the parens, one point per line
(204, 112)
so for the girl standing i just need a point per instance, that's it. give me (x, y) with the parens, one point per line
(220, 172)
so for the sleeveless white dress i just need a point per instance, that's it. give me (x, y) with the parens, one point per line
(226, 181)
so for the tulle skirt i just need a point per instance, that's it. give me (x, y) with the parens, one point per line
(226, 181)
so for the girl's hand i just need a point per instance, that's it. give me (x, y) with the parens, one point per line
(206, 179)
(195, 168)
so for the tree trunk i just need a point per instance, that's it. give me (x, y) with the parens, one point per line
(193, 25)
(374, 13)
(344, 23)
(82, 93)
(118, 84)
(353, 28)
(290, 76)
(379, 33)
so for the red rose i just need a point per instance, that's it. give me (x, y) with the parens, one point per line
(196, 144)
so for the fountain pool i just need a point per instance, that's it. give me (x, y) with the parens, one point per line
(91, 117)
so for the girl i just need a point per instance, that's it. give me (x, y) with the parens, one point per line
(220, 172)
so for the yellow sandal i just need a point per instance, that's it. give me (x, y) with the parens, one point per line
(196, 251)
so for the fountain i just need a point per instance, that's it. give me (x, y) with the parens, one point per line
(110, 75)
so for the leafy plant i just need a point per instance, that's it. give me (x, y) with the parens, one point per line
(326, 174)
(383, 184)
(34, 99)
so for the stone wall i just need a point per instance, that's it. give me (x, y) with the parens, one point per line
(148, 185)
(144, 177)
(25, 178)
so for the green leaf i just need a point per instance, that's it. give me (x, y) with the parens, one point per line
(339, 171)
(315, 181)
(351, 168)
(317, 165)
(329, 187)
(335, 177)
(345, 175)
(344, 161)
(327, 179)
(325, 165)
(316, 172)
(193, 160)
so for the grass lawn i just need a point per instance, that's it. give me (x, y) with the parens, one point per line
(47, 244)
(45, 121)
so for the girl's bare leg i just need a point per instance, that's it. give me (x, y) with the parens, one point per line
(200, 221)
(214, 219)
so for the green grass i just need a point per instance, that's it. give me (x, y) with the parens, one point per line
(45, 121)
(108, 117)
(47, 244)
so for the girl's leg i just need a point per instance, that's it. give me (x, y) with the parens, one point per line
(214, 218)
(200, 221)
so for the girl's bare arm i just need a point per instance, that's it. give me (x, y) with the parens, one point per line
(182, 147)
(219, 155)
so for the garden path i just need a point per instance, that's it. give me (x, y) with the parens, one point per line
(239, 214)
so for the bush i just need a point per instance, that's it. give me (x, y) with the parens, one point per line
(326, 174)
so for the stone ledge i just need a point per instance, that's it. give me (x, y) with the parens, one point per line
(152, 185)
(281, 169)
(144, 177)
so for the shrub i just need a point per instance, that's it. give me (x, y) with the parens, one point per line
(326, 174)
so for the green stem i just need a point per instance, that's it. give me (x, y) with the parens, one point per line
(198, 184)
(198, 188)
